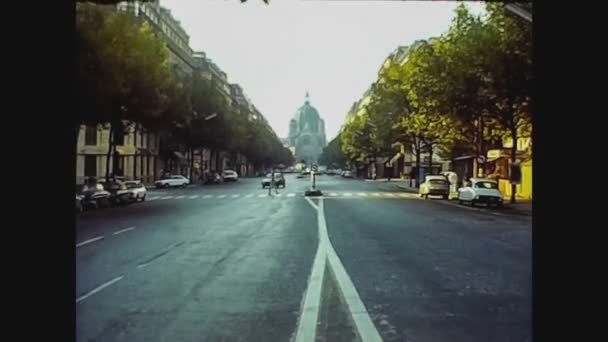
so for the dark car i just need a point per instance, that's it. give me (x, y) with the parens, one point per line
(119, 192)
(93, 195)
(278, 179)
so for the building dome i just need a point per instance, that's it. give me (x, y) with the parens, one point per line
(307, 116)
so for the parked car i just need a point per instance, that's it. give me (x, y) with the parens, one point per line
(230, 176)
(480, 190)
(435, 186)
(95, 196)
(138, 190)
(278, 179)
(347, 174)
(300, 175)
(175, 180)
(79, 203)
(119, 193)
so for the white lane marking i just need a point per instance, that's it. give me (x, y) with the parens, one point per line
(221, 196)
(194, 196)
(262, 195)
(88, 241)
(389, 194)
(311, 305)
(207, 196)
(166, 197)
(249, 196)
(376, 194)
(278, 195)
(333, 194)
(235, 195)
(97, 289)
(348, 194)
(404, 195)
(359, 315)
(362, 194)
(180, 197)
(153, 198)
(311, 203)
(291, 195)
(140, 266)
(123, 230)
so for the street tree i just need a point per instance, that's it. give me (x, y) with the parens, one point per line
(123, 71)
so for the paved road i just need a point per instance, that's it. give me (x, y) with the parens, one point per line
(230, 263)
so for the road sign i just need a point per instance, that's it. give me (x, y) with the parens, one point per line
(481, 159)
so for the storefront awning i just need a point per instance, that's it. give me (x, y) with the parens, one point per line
(396, 157)
(179, 155)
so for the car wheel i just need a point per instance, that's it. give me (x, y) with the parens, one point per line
(166, 185)
(460, 201)
(445, 197)
(472, 203)
(143, 198)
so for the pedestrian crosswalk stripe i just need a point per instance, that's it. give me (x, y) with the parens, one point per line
(166, 197)
(180, 197)
(278, 195)
(207, 196)
(362, 194)
(403, 195)
(262, 195)
(221, 196)
(249, 196)
(376, 194)
(291, 195)
(390, 195)
(153, 198)
(333, 194)
(235, 195)
(194, 196)
(348, 194)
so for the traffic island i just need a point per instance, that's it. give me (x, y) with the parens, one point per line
(314, 193)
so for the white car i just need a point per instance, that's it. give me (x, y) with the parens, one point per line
(230, 175)
(177, 180)
(481, 190)
(347, 174)
(434, 186)
(137, 189)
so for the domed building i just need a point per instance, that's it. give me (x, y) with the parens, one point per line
(307, 133)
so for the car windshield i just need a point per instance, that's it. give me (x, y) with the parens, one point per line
(291, 157)
(486, 185)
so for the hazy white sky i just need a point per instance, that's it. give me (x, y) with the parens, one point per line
(332, 49)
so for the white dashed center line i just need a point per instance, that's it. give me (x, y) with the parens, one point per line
(236, 195)
(221, 196)
(333, 194)
(376, 194)
(97, 289)
(123, 230)
(193, 197)
(362, 194)
(88, 241)
(166, 197)
(291, 195)
(180, 197)
(348, 194)
(262, 195)
(207, 196)
(249, 196)
(153, 198)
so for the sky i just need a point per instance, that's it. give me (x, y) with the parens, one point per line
(330, 49)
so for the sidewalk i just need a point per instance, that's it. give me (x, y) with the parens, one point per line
(521, 207)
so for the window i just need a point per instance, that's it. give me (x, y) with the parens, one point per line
(486, 185)
(90, 166)
(90, 135)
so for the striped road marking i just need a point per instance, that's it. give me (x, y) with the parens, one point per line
(333, 194)
(376, 194)
(180, 197)
(262, 195)
(123, 230)
(348, 194)
(194, 196)
(362, 194)
(207, 196)
(88, 241)
(97, 289)
(221, 196)
(235, 195)
(249, 196)
(153, 198)
(166, 197)
(291, 195)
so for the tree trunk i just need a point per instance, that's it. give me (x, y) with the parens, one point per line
(430, 159)
(109, 155)
(513, 156)
(191, 165)
(418, 164)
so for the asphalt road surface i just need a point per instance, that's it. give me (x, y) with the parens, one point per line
(230, 263)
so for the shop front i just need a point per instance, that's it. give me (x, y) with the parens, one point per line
(499, 167)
